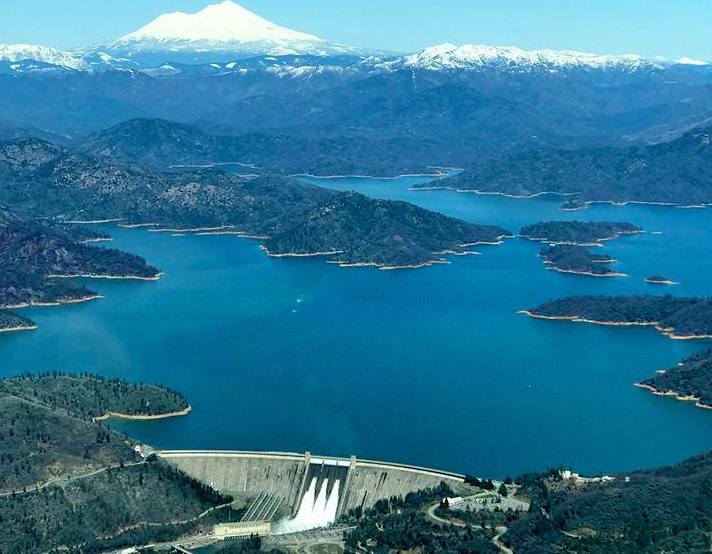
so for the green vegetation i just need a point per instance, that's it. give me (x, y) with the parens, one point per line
(88, 396)
(391, 233)
(38, 178)
(665, 510)
(675, 172)
(69, 483)
(251, 545)
(690, 378)
(676, 317)
(160, 143)
(582, 233)
(569, 243)
(10, 320)
(659, 280)
(46, 431)
(571, 258)
(399, 525)
(117, 508)
(32, 253)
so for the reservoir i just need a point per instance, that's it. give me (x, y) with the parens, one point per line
(431, 367)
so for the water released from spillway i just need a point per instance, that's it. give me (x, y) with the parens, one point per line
(317, 509)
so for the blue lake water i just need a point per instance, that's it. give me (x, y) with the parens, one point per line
(431, 367)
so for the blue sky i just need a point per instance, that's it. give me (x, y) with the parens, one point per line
(669, 28)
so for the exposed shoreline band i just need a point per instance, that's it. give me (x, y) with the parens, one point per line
(674, 394)
(667, 331)
(135, 417)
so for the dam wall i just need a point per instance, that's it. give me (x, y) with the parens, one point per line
(368, 482)
(361, 483)
(244, 474)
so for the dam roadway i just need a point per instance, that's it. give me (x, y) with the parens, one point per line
(245, 475)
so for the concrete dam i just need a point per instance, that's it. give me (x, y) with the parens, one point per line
(313, 490)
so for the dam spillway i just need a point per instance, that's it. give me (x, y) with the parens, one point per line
(315, 490)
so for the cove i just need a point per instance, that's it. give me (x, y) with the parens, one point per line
(431, 367)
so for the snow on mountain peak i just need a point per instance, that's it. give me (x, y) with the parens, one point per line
(690, 61)
(226, 22)
(475, 56)
(43, 54)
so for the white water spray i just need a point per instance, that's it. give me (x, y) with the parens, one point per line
(317, 509)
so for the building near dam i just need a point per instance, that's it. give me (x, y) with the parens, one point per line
(313, 491)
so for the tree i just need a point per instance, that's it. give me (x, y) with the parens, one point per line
(503, 490)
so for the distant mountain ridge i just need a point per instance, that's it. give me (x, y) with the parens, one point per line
(230, 72)
(226, 31)
(677, 172)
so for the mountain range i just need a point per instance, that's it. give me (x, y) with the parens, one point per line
(231, 73)
(675, 172)
(226, 31)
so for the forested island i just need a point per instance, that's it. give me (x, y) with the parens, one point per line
(677, 318)
(690, 380)
(578, 260)
(660, 280)
(672, 173)
(41, 179)
(580, 233)
(570, 244)
(69, 483)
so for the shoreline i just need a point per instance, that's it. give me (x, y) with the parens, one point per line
(586, 203)
(300, 255)
(585, 273)
(674, 394)
(55, 303)
(18, 328)
(666, 282)
(597, 243)
(438, 175)
(156, 277)
(138, 417)
(94, 221)
(669, 332)
(191, 230)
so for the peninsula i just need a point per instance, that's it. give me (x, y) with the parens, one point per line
(36, 257)
(677, 318)
(671, 173)
(56, 460)
(292, 217)
(10, 322)
(390, 234)
(690, 380)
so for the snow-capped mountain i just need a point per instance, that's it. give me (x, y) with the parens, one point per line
(219, 29)
(17, 53)
(227, 38)
(449, 57)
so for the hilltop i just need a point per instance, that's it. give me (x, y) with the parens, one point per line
(675, 173)
(46, 180)
(60, 471)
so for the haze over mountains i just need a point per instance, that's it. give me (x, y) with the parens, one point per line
(231, 72)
